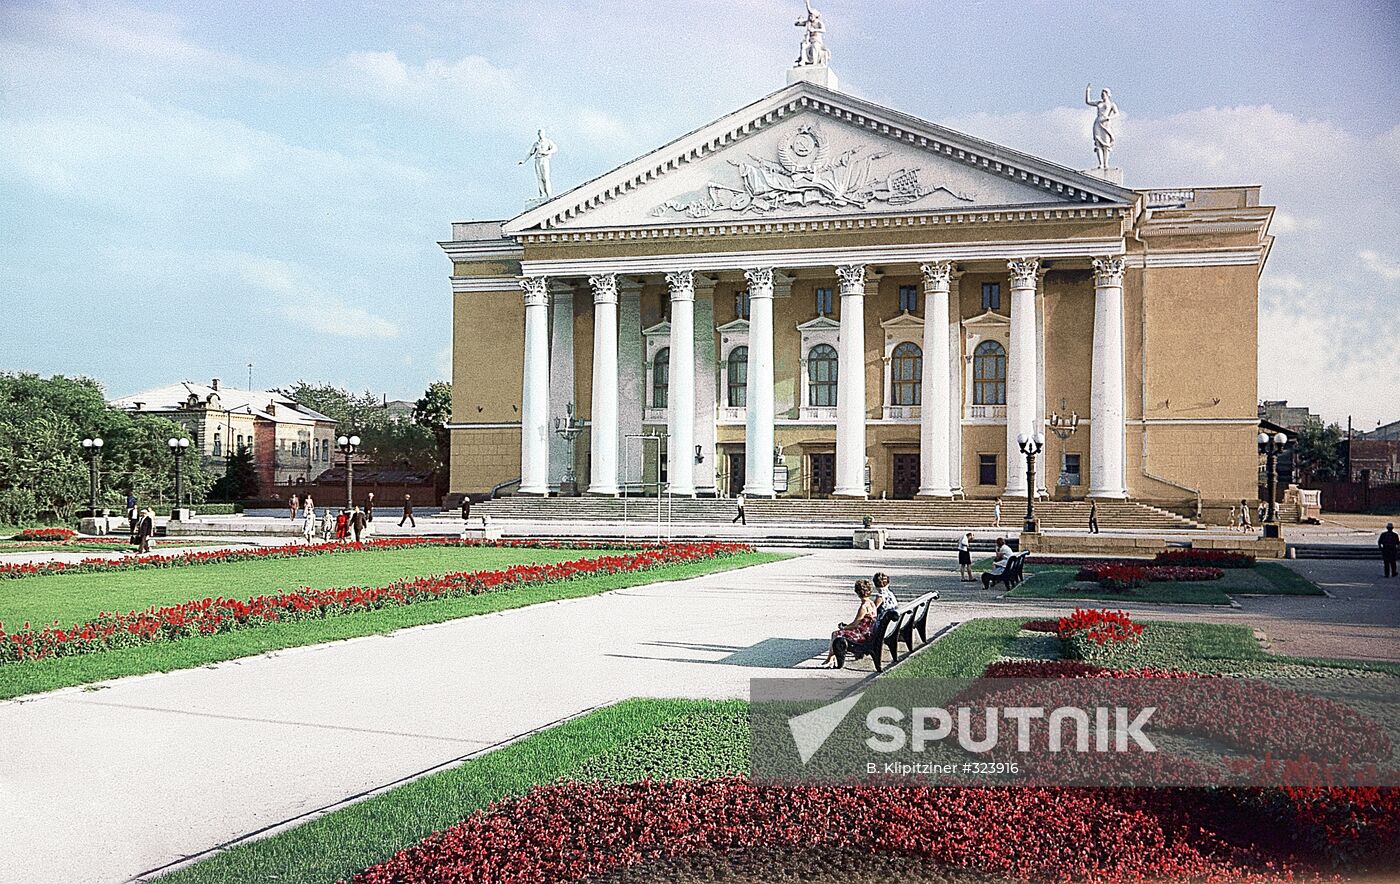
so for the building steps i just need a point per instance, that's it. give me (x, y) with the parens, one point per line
(1113, 515)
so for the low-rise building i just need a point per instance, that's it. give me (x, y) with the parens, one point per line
(291, 444)
(1292, 418)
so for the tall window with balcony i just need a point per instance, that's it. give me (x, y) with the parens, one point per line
(821, 376)
(737, 372)
(660, 377)
(906, 374)
(909, 298)
(989, 374)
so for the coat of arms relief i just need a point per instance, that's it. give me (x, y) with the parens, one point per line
(806, 174)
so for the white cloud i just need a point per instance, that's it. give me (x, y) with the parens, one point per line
(1384, 266)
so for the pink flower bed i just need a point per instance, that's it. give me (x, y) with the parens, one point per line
(217, 615)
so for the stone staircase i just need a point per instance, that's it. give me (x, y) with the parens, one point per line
(1113, 515)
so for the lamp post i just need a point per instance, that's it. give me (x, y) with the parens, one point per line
(178, 447)
(1064, 427)
(348, 444)
(568, 427)
(1030, 446)
(92, 447)
(1271, 445)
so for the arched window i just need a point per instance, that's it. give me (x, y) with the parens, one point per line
(240, 442)
(906, 374)
(738, 372)
(660, 377)
(218, 446)
(821, 376)
(989, 374)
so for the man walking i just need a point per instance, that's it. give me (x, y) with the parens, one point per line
(1093, 517)
(408, 511)
(739, 502)
(1390, 548)
(357, 523)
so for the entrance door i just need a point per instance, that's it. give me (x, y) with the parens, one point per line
(736, 471)
(823, 473)
(906, 476)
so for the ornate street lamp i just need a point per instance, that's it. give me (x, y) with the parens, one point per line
(92, 447)
(1271, 445)
(1064, 427)
(348, 444)
(1030, 447)
(178, 447)
(568, 427)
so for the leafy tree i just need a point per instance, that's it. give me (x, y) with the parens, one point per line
(1319, 454)
(352, 412)
(433, 412)
(240, 478)
(418, 444)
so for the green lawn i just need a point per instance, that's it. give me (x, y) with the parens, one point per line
(1266, 578)
(623, 743)
(23, 546)
(17, 679)
(72, 597)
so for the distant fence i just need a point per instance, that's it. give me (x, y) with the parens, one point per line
(1357, 497)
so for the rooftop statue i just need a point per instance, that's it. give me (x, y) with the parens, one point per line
(541, 151)
(813, 51)
(1105, 122)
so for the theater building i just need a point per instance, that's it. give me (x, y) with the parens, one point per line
(819, 296)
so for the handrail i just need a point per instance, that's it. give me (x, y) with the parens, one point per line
(504, 485)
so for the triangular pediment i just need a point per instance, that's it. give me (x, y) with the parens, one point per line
(989, 319)
(662, 328)
(821, 323)
(734, 325)
(808, 152)
(905, 320)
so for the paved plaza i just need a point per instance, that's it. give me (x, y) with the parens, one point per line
(200, 758)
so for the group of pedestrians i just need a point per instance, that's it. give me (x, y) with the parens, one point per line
(351, 523)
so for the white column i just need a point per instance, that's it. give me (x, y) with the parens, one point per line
(850, 384)
(955, 384)
(758, 438)
(603, 421)
(933, 411)
(1021, 383)
(680, 395)
(1106, 429)
(534, 397)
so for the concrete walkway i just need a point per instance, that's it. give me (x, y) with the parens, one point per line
(114, 782)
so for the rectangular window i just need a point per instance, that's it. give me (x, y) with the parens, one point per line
(986, 469)
(991, 296)
(741, 304)
(908, 298)
(824, 302)
(1070, 470)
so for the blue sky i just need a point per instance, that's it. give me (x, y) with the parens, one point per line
(189, 187)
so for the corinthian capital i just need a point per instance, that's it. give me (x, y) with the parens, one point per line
(604, 287)
(682, 284)
(1108, 272)
(536, 289)
(1023, 272)
(760, 281)
(937, 276)
(852, 277)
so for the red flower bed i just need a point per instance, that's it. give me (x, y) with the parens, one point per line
(575, 831)
(209, 616)
(1101, 627)
(287, 551)
(1113, 575)
(46, 535)
(1208, 558)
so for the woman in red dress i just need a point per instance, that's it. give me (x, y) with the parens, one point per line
(858, 630)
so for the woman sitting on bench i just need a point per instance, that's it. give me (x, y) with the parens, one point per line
(858, 631)
(999, 564)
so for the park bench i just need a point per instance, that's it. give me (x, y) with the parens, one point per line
(893, 627)
(1010, 576)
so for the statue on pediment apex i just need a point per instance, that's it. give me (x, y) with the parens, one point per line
(541, 151)
(1105, 121)
(813, 51)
